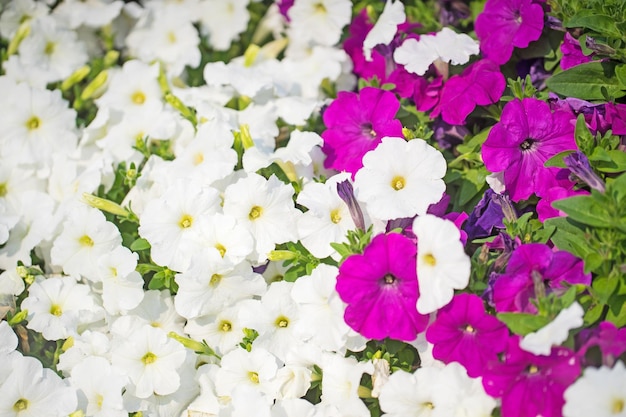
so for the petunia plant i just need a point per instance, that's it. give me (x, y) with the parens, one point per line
(313, 208)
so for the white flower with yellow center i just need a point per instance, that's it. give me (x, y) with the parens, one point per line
(599, 392)
(319, 21)
(151, 360)
(255, 369)
(132, 87)
(223, 21)
(400, 178)
(442, 265)
(101, 386)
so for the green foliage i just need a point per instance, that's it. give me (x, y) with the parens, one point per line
(357, 240)
(591, 81)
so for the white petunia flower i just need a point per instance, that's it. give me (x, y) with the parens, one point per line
(222, 332)
(385, 28)
(100, 388)
(255, 369)
(223, 21)
(57, 306)
(171, 223)
(122, 286)
(400, 178)
(156, 310)
(340, 384)
(91, 13)
(265, 209)
(555, 332)
(318, 21)
(599, 392)
(133, 87)
(224, 237)
(86, 236)
(88, 344)
(151, 360)
(8, 339)
(442, 265)
(446, 45)
(17, 11)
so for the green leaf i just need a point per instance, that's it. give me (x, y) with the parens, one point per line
(585, 81)
(604, 287)
(557, 160)
(620, 73)
(602, 24)
(139, 245)
(617, 311)
(584, 209)
(523, 323)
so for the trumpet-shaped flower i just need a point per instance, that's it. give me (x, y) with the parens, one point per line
(380, 287)
(320, 21)
(400, 178)
(600, 392)
(442, 265)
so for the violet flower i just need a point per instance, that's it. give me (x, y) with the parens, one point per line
(535, 270)
(380, 288)
(346, 193)
(486, 216)
(356, 123)
(526, 136)
(447, 135)
(616, 117)
(480, 84)
(610, 340)
(578, 163)
(505, 24)
(531, 385)
(544, 206)
(464, 332)
(572, 53)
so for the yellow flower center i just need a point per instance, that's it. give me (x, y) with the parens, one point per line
(171, 37)
(398, 182)
(198, 159)
(3, 189)
(56, 310)
(86, 241)
(221, 249)
(33, 123)
(185, 222)
(149, 358)
(429, 259)
(469, 329)
(226, 326)
(532, 369)
(282, 321)
(99, 400)
(429, 405)
(215, 280)
(255, 212)
(320, 8)
(618, 406)
(49, 48)
(335, 216)
(20, 405)
(138, 97)
(254, 377)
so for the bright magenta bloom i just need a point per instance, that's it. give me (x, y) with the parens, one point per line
(380, 287)
(465, 333)
(356, 123)
(507, 23)
(527, 135)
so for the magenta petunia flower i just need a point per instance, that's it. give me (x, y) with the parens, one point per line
(572, 53)
(544, 206)
(480, 84)
(610, 340)
(526, 136)
(531, 385)
(531, 266)
(380, 288)
(463, 332)
(505, 24)
(356, 123)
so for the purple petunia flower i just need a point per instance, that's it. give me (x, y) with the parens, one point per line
(608, 338)
(480, 84)
(544, 206)
(464, 332)
(531, 385)
(284, 6)
(356, 123)
(572, 53)
(533, 268)
(505, 24)
(380, 287)
(486, 216)
(526, 136)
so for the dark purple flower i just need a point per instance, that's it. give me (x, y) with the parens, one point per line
(480, 84)
(616, 117)
(594, 113)
(532, 270)
(535, 68)
(453, 11)
(447, 135)
(526, 136)
(356, 123)
(531, 385)
(380, 288)
(505, 24)
(464, 332)
(578, 163)
(610, 340)
(346, 193)
(284, 6)
(486, 216)
(572, 53)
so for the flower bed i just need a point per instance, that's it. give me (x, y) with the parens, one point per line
(313, 208)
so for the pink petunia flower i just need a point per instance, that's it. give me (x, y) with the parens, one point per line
(505, 24)
(572, 53)
(531, 266)
(480, 84)
(531, 385)
(463, 332)
(527, 135)
(356, 123)
(380, 287)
